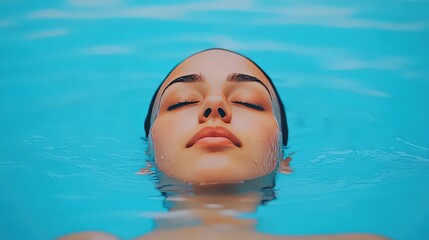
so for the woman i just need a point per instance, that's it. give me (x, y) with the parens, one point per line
(216, 127)
(216, 118)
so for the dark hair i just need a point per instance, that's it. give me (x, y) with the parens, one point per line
(283, 124)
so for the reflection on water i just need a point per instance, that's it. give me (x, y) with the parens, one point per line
(211, 203)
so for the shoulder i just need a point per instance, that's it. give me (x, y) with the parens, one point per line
(335, 237)
(89, 236)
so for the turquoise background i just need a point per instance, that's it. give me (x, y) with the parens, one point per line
(76, 78)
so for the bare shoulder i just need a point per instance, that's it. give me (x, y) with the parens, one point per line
(203, 233)
(334, 237)
(192, 234)
(189, 233)
(89, 236)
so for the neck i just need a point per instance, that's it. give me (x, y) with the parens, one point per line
(213, 205)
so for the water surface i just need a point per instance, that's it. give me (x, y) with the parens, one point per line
(76, 78)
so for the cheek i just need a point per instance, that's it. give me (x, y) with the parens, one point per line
(261, 127)
(162, 134)
(169, 135)
(269, 147)
(172, 127)
(263, 141)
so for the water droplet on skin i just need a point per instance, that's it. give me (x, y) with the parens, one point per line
(255, 160)
(162, 157)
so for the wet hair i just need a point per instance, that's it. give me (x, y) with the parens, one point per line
(283, 123)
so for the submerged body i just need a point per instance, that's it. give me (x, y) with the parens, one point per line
(214, 212)
(215, 127)
(218, 232)
(214, 218)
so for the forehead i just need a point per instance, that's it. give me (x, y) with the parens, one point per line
(216, 64)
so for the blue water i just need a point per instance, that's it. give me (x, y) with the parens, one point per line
(76, 79)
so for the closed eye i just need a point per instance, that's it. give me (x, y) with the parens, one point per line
(180, 104)
(250, 105)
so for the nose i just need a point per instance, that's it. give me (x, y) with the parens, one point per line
(215, 107)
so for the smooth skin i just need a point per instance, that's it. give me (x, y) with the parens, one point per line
(216, 79)
(207, 234)
(239, 98)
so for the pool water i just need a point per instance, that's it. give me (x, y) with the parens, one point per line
(76, 78)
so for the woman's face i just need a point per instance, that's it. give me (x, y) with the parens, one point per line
(215, 120)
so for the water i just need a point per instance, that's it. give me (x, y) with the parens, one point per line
(76, 79)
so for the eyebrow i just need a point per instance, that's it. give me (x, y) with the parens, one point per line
(192, 78)
(234, 77)
(239, 77)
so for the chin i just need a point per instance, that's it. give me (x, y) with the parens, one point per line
(210, 177)
(205, 176)
(216, 168)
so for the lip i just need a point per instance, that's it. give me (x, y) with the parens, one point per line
(214, 133)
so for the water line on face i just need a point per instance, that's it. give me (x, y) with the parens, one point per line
(150, 148)
(272, 157)
(275, 143)
(159, 156)
(155, 112)
(274, 154)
